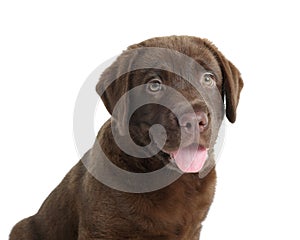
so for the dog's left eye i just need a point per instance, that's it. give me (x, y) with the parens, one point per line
(154, 85)
(208, 79)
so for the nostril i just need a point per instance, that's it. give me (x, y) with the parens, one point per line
(188, 125)
(203, 123)
(202, 119)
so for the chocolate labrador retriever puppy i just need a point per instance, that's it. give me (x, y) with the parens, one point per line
(94, 201)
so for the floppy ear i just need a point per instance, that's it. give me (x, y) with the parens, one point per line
(233, 85)
(112, 85)
(232, 82)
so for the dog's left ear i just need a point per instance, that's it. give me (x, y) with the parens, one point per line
(232, 82)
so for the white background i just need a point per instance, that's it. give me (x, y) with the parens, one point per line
(48, 48)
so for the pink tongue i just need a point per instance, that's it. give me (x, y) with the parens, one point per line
(190, 159)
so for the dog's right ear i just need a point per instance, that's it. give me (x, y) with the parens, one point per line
(112, 85)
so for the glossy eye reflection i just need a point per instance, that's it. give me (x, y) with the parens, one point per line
(208, 79)
(154, 85)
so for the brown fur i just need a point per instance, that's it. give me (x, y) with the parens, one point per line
(82, 208)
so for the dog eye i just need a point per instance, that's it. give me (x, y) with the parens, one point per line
(154, 85)
(208, 79)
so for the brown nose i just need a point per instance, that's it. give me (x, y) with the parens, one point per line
(190, 121)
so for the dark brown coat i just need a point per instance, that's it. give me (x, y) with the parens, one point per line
(82, 208)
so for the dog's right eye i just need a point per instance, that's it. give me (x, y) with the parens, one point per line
(154, 85)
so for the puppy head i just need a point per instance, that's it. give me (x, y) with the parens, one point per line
(217, 75)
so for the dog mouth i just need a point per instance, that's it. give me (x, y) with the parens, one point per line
(187, 148)
(189, 159)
